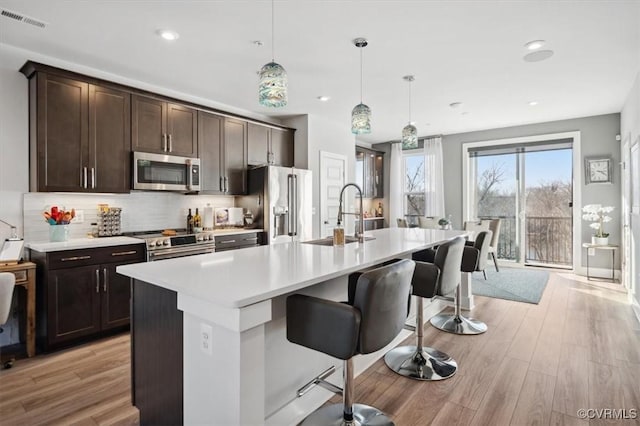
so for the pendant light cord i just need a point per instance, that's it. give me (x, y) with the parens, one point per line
(410, 102)
(273, 47)
(361, 74)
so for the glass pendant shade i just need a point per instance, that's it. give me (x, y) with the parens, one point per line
(272, 91)
(409, 137)
(361, 119)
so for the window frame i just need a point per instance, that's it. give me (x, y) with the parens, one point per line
(416, 152)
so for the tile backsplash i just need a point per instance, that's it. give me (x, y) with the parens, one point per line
(141, 211)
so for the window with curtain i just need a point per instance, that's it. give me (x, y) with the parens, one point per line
(423, 189)
(414, 197)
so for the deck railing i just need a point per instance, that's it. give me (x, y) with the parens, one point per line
(548, 239)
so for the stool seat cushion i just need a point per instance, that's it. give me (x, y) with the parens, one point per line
(381, 297)
(323, 325)
(470, 259)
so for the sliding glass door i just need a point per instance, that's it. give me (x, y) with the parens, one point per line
(528, 187)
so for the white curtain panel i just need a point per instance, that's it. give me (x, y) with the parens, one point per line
(434, 178)
(396, 185)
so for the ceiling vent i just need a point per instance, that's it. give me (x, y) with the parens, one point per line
(22, 18)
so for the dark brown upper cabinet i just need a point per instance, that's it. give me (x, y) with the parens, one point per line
(369, 172)
(164, 127)
(269, 146)
(223, 154)
(79, 135)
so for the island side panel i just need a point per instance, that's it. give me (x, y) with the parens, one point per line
(156, 354)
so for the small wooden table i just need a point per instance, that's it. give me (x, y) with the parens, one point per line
(25, 273)
(611, 247)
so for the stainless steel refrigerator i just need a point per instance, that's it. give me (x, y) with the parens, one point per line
(281, 202)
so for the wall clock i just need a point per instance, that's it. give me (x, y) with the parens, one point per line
(597, 170)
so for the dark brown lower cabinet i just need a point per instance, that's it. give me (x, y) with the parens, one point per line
(74, 303)
(156, 355)
(79, 294)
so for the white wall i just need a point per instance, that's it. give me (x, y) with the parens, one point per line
(322, 135)
(630, 128)
(14, 137)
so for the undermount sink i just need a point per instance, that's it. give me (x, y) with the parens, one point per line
(329, 241)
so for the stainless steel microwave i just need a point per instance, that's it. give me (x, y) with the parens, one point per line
(160, 172)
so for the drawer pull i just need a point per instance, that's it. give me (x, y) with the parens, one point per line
(123, 253)
(69, 259)
(228, 241)
(251, 239)
(20, 275)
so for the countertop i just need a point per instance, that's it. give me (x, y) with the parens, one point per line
(239, 278)
(81, 243)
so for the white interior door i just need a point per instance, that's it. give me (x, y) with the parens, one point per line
(332, 179)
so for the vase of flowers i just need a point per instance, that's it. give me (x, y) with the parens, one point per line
(597, 214)
(59, 221)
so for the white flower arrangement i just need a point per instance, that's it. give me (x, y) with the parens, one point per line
(596, 213)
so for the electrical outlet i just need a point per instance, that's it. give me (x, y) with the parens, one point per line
(591, 252)
(206, 333)
(79, 218)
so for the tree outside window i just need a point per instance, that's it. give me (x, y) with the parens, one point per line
(414, 186)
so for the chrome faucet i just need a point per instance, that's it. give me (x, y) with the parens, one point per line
(359, 233)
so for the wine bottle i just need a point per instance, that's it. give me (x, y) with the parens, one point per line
(197, 221)
(189, 223)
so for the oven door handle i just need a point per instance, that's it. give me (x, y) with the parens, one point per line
(176, 252)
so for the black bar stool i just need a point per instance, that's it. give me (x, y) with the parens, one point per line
(374, 317)
(473, 259)
(443, 275)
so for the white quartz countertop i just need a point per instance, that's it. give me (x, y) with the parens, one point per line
(82, 243)
(239, 278)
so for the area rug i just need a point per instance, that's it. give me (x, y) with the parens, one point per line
(519, 284)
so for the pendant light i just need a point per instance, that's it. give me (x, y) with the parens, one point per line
(272, 91)
(409, 133)
(361, 114)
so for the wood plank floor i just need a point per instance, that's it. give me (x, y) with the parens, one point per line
(536, 365)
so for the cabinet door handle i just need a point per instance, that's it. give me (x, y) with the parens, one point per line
(69, 259)
(164, 142)
(93, 177)
(170, 144)
(226, 187)
(104, 279)
(123, 253)
(97, 281)
(84, 173)
(221, 184)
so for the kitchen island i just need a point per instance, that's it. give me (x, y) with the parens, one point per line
(226, 315)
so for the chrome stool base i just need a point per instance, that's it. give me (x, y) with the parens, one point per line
(362, 415)
(427, 364)
(457, 324)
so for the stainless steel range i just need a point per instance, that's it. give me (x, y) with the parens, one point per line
(161, 246)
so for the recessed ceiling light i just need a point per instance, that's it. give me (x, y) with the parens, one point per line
(427, 124)
(168, 34)
(455, 104)
(538, 55)
(533, 103)
(323, 98)
(465, 113)
(534, 45)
